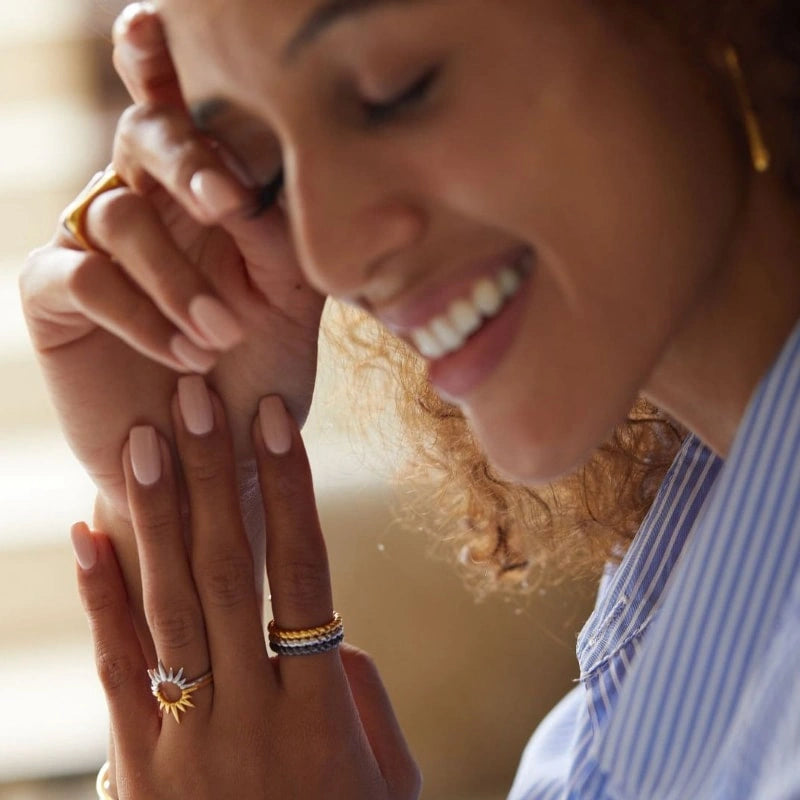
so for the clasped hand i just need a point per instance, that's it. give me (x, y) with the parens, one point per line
(300, 726)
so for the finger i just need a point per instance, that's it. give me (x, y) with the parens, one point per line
(118, 655)
(160, 142)
(297, 561)
(380, 723)
(127, 225)
(142, 58)
(67, 294)
(172, 607)
(108, 298)
(221, 560)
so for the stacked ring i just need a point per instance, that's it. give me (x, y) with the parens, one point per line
(306, 641)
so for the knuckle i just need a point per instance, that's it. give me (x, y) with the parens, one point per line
(156, 524)
(304, 584)
(81, 282)
(112, 212)
(28, 281)
(205, 469)
(227, 581)
(133, 119)
(175, 628)
(290, 491)
(114, 669)
(97, 599)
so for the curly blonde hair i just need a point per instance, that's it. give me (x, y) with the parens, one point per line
(508, 536)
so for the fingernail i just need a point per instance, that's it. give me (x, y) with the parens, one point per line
(129, 15)
(195, 405)
(215, 322)
(145, 455)
(188, 353)
(84, 545)
(216, 194)
(275, 425)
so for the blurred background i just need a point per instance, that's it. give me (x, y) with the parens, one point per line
(470, 680)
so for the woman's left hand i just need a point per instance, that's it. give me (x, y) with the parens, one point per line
(299, 726)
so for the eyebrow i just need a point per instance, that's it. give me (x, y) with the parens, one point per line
(320, 19)
(326, 15)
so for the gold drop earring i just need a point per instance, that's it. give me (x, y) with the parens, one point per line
(759, 152)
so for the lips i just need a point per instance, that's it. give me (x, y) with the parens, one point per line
(456, 300)
(459, 328)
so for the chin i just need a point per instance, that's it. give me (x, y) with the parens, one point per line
(530, 454)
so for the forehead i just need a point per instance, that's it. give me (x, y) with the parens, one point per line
(214, 42)
(215, 39)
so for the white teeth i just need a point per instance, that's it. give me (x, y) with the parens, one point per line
(509, 282)
(448, 332)
(447, 335)
(465, 318)
(427, 344)
(487, 297)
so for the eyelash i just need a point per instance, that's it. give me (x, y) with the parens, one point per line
(376, 113)
(268, 195)
(381, 112)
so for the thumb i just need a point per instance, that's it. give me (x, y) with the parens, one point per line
(380, 723)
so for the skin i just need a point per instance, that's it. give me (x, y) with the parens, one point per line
(629, 182)
(662, 265)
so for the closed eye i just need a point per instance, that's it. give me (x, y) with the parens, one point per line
(378, 112)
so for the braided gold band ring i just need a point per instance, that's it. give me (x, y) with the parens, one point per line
(306, 641)
(74, 217)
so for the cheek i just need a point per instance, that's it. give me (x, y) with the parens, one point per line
(567, 380)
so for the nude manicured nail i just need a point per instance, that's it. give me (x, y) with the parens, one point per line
(217, 195)
(215, 322)
(195, 405)
(84, 545)
(275, 425)
(145, 455)
(192, 356)
(130, 15)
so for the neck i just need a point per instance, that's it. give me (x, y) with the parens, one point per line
(739, 325)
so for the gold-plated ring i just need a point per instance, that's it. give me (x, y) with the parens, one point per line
(74, 217)
(161, 676)
(281, 634)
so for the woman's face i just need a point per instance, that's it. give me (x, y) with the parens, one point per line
(539, 173)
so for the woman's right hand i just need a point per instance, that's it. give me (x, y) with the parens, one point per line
(185, 279)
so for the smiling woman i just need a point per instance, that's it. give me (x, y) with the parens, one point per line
(557, 212)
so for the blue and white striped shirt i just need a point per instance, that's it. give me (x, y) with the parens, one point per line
(690, 663)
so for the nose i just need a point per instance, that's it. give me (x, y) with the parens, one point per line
(350, 215)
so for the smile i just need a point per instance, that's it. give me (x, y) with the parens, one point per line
(449, 332)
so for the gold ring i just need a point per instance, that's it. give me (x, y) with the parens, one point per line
(160, 677)
(306, 633)
(74, 217)
(307, 641)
